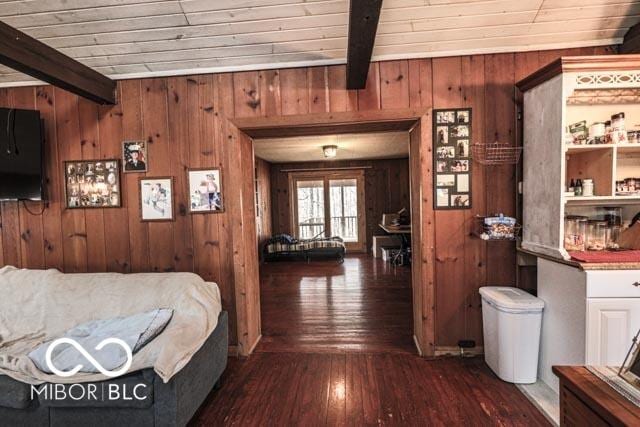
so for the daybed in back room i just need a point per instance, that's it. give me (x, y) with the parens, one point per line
(286, 248)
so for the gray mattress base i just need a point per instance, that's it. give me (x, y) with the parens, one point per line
(174, 403)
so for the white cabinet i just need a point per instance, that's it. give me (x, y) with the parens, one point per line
(568, 91)
(589, 316)
(611, 324)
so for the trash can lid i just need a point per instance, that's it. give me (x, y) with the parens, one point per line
(511, 298)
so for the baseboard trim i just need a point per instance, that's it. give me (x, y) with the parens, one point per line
(253, 346)
(417, 344)
(455, 351)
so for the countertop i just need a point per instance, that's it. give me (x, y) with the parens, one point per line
(587, 266)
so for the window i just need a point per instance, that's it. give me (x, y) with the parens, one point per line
(344, 208)
(327, 204)
(310, 196)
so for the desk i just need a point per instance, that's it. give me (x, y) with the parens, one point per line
(587, 400)
(404, 231)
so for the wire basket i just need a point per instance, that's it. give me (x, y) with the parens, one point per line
(496, 153)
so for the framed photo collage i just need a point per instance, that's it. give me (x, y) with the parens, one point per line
(452, 158)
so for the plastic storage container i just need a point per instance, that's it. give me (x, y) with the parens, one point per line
(511, 325)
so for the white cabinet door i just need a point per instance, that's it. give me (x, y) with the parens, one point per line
(611, 324)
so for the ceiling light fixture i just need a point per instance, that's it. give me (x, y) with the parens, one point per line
(330, 151)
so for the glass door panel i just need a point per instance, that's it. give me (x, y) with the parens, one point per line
(343, 205)
(310, 198)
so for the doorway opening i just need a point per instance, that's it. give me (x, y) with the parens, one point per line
(318, 300)
(330, 307)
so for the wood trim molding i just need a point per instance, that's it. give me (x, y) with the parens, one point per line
(30, 56)
(326, 123)
(578, 64)
(455, 351)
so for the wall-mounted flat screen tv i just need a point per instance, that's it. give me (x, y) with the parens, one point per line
(21, 172)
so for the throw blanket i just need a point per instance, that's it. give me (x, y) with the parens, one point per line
(41, 305)
(135, 331)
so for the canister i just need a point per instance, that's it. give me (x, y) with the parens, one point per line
(617, 122)
(596, 130)
(587, 187)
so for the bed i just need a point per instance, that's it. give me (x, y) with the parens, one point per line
(286, 248)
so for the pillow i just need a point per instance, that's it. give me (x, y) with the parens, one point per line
(136, 331)
(283, 239)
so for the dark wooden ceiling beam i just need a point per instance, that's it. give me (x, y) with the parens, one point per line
(25, 54)
(363, 24)
(631, 43)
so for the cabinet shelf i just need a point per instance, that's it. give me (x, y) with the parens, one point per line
(601, 200)
(587, 148)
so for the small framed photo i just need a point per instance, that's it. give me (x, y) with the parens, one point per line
(462, 116)
(442, 197)
(459, 200)
(92, 184)
(134, 156)
(462, 183)
(446, 152)
(462, 148)
(448, 180)
(443, 135)
(446, 117)
(156, 199)
(459, 166)
(460, 131)
(205, 190)
(442, 166)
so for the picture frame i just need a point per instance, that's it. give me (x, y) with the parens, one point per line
(92, 184)
(452, 166)
(630, 369)
(156, 199)
(202, 184)
(134, 157)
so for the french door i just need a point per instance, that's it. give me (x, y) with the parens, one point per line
(328, 204)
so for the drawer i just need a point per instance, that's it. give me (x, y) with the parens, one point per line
(613, 284)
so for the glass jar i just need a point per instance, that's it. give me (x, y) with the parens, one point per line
(612, 214)
(597, 235)
(575, 232)
(617, 122)
(613, 234)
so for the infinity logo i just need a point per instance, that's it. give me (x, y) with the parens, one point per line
(88, 356)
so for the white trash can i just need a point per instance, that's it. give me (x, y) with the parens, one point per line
(511, 324)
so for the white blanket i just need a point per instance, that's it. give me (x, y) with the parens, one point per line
(41, 305)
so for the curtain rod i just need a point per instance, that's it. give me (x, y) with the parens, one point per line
(345, 168)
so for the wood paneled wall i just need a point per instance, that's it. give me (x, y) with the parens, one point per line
(386, 191)
(184, 121)
(263, 193)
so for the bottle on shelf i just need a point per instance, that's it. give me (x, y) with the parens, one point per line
(578, 188)
(572, 186)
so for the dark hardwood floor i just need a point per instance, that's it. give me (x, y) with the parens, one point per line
(306, 389)
(337, 349)
(363, 305)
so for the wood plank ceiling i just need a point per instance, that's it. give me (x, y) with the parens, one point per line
(143, 38)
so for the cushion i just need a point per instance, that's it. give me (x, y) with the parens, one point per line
(14, 394)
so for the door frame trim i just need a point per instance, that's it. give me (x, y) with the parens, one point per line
(418, 123)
